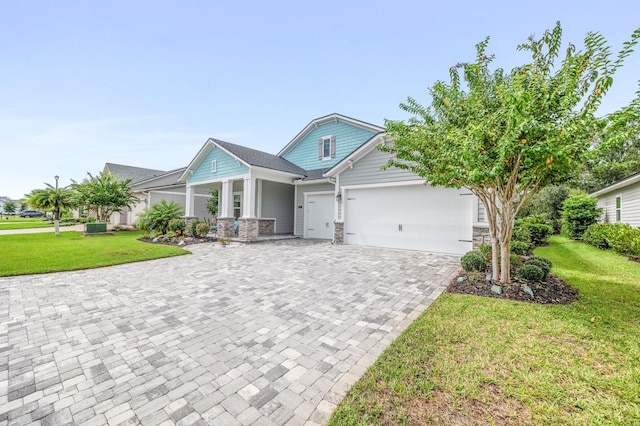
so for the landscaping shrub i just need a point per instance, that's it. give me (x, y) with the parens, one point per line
(192, 227)
(521, 233)
(202, 229)
(515, 261)
(579, 212)
(531, 273)
(624, 239)
(474, 261)
(157, 218)
(597, 235)
(484, 249)
(541, 259)
(539, 233)
(540, 264)
(177, 226)
(520, 247)
(538, 227)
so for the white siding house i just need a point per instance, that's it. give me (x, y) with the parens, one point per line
(621, 201)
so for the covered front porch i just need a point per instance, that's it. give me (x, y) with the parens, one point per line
(249, 208)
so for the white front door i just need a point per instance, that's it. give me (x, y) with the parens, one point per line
(319, 216)
(418, 217)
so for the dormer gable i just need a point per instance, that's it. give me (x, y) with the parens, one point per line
(325, 141)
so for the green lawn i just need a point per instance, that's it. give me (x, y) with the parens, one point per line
(473, 360)
(38, 253)
(16, 222)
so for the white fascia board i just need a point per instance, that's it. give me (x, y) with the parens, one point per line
(617, 186)
(273, 175)
(327, 119)
(301, 182)
(196, 160)
(220, 180)
(356, 155)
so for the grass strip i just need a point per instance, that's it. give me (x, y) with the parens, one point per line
(22, 254)
(474, 360)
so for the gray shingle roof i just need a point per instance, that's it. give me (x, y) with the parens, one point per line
(136, 174)
(314, 174)
(261, 159)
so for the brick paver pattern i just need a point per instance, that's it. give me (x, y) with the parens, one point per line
(269, 333)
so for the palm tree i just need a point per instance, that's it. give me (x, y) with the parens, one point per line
(52, 198)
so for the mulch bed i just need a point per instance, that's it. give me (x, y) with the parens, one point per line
(551, 291)
(176, 241)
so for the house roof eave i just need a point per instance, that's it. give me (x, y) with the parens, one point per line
(617, 185)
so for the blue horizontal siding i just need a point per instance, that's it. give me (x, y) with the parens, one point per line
(348, 139)
(226, 165)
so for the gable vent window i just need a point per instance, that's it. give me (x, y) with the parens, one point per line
(214, 166)
(326, 148)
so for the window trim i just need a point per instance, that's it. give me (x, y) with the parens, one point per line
(618, 208)
(322, 143)
(214, 166)
(233, 202)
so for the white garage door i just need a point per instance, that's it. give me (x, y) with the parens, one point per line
(319, 216)
(417, 217)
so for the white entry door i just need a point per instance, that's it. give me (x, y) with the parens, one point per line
(418, 217)
(319, 216)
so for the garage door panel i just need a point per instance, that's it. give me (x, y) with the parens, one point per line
(319, 216)
(413, 217)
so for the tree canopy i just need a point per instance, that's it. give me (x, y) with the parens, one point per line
(52, 199)
(507, 135)
(10, 207)
(105, 194)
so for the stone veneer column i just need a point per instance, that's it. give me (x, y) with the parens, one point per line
(248, 229)
(481, 235)
(225, 227)
(338, 232)
(266, 226)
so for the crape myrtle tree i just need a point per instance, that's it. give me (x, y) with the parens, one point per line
(506, 135)
(105, 194)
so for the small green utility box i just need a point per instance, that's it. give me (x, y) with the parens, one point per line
(95, 228)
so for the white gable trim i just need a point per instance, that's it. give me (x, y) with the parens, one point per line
(209, 145)
(324, 120)
(356, 155)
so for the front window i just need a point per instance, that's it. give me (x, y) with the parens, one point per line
(326, 148)
(237, 205)
(618, 209)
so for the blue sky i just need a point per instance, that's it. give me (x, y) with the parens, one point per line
(145, 83)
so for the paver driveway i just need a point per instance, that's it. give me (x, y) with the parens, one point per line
(270, 333)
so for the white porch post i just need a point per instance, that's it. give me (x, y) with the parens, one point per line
(249, 195)
(226, 199)
(189, 202)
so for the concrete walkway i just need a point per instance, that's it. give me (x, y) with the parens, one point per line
(79, 228)
(268, 333)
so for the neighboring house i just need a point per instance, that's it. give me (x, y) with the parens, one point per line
(620, 201)
(151, 186)
(327, 183)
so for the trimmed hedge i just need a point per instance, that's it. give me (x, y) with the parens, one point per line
(474, 261)
(620, 237)
(531, 273)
